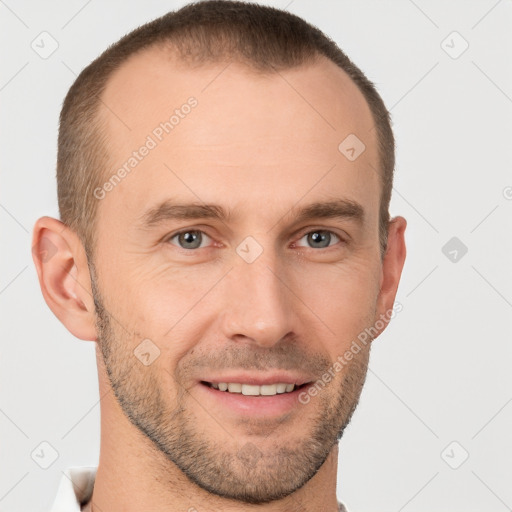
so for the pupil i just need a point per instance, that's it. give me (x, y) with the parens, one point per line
(189, 238)
(319, 237)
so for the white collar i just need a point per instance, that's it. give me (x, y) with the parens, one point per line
(75, 488)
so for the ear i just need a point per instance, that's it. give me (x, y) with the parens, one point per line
(391, 271)
(61, 265)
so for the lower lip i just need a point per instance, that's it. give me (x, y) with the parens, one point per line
(256, 406)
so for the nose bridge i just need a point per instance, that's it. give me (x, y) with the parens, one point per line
(259, 302)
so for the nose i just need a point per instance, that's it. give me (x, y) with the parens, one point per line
(259, 308)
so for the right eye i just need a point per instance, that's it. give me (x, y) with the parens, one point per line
(189, 239)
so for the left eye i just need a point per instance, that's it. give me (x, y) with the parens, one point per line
(320, 238)
(190, 239)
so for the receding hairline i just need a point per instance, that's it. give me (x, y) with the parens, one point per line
(163, 50)
(257, 35)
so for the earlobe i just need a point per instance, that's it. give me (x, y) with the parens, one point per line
(392, 266)
(64, 278)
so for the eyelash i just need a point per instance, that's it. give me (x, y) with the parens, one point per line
(303, 234)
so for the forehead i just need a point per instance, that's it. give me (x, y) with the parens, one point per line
(247, 134)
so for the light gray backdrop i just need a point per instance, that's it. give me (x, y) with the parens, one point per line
(432, 431)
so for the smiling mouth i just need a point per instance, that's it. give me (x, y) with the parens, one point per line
(254, 390)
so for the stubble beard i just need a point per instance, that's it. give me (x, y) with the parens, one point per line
(243, 471)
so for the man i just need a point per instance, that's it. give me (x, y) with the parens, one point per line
(224, 176)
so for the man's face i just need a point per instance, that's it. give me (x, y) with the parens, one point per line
(258, 296)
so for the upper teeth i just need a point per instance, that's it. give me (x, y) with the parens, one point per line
(249, 389)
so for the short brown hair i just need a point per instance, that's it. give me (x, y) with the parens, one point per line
(265, 38)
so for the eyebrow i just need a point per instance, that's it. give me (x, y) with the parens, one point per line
(169, 210)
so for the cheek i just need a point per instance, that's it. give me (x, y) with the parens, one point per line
(163, 305)
(343, 296)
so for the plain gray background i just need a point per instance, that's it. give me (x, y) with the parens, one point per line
(432, 431)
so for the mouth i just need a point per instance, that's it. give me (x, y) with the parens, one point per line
(267, 401)
(254, 390)
(255, 395)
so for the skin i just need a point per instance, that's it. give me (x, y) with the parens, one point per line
(254, 146)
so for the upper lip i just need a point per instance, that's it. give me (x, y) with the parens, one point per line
(259, 379)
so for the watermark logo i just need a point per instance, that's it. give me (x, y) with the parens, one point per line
(45, 45)
(455, 455)
(44, 455)
(454, 249)
(249, 454)
(363, 338)
(146, 352)
(454, 45)
(351, 147)
(249, 249)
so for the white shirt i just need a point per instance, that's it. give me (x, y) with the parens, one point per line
(75, 490)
